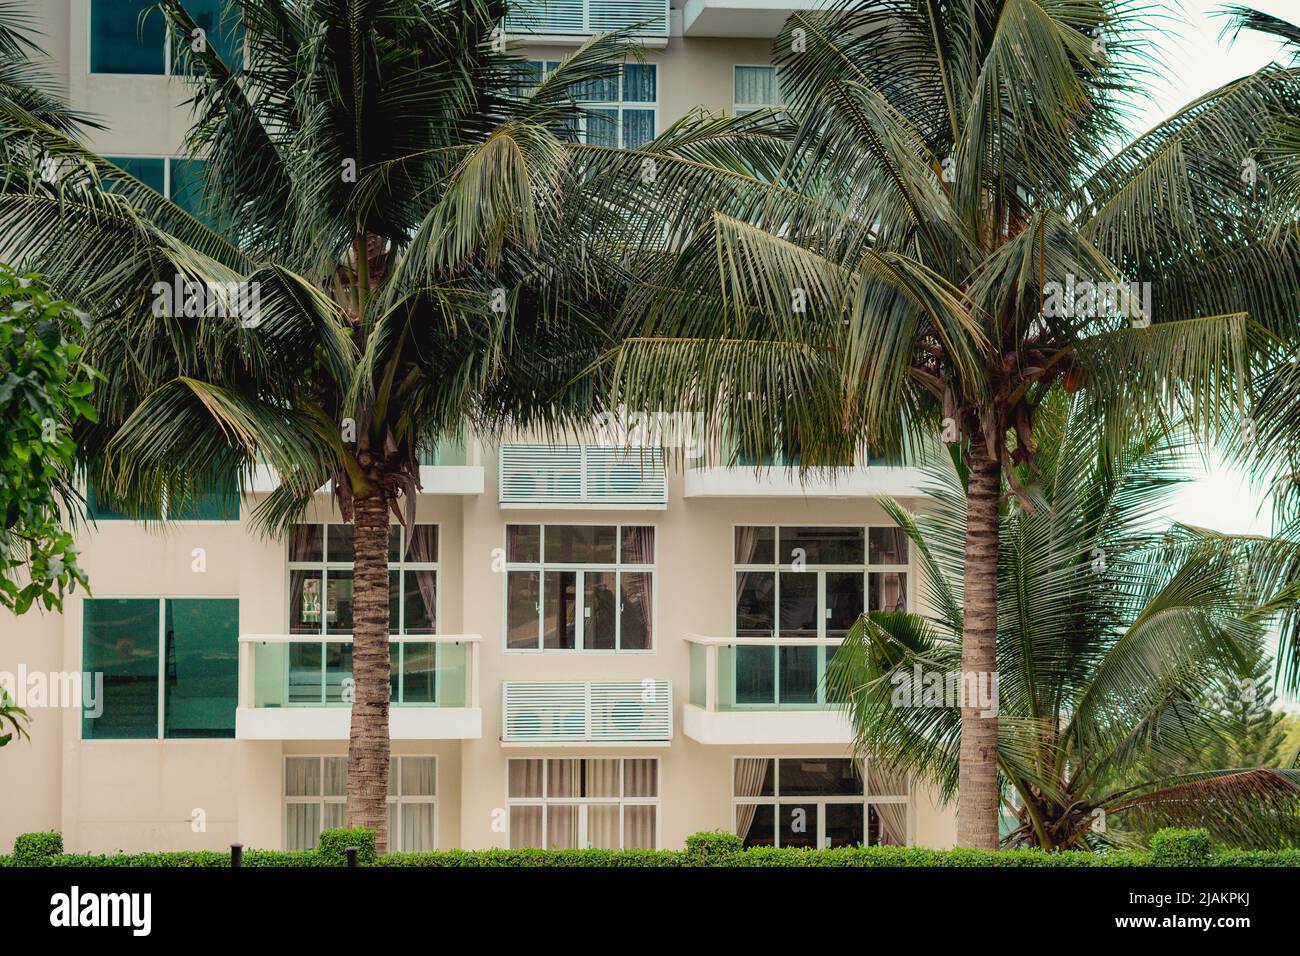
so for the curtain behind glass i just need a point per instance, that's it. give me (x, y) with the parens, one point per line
(756, 86)
(302, 826)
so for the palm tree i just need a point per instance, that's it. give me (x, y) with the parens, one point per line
(937, 245)
(399, 196)
(1110, 633)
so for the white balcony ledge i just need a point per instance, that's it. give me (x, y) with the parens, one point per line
(434, 480)
(739, 18)
(746, 481)
(334, 723)
(767, 727)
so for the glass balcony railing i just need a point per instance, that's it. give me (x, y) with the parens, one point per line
(761, 674)
(306, 671)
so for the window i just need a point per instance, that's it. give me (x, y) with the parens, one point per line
(618, 110)
(601, 803)
(755, 88)
(179, 179)
(316, 799)
(807, 583)
(579, 587)
(818, 802)
(130, 36)
(180, 654)
(217, 500)
(320, 602)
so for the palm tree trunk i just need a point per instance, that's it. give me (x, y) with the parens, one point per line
(977, 796)
(368, 739)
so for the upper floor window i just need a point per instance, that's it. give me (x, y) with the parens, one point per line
(131, 36)
(818, 802)
(755, 88)
(579, 587)
(217, 500)
(179, 179)
(618, 110)
(601, 803)
(816, 581)
(321, 558)
(188, 647)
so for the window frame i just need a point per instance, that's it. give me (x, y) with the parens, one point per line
(541, 567)
(548, 66)
(397, 800)
(546, 801)
(161, 690)
(169, 41)
(866, 799)
(739, 109)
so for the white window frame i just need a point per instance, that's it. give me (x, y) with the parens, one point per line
(821, 802)
(321, 800)
(546, 801)
(618, 105)
(740, 109)
(543, 566)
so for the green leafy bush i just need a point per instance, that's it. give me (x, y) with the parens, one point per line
(37, 849)
(1168, 848)
(1174, 847)
(332, 848)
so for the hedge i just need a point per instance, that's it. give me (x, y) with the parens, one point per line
(1168, 848)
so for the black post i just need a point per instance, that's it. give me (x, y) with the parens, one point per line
(236, 854)
(352, 852)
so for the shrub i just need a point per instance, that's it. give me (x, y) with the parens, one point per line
(332, 848)
(713, 848)
(1172, 847)
(37, 849)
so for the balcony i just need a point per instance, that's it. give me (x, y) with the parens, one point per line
(779, 479)
(567, 20)
(740, 18)
(453, 469)
(299, 687)
(587, 712)
(762, 691)
(582, 476)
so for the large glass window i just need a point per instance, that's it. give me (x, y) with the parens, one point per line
(177, 178)
(754, 88)
(604, 803)
(580, 587)
(807, 583)
(215, 500)
(321, 578)
(818, 802)
(131, 36)
(316, 799)
(618, 110)
(188, 645)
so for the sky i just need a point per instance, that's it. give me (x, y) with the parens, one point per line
(1195, 60)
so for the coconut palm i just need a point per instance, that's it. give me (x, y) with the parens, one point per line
(1113, 635)
(953, 232)
(400, 197)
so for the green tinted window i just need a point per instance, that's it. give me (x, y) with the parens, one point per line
(99, 510)
(120, 641)
(148, 169)
(221, 31)
(188, 178)
(218, 500)
(201, 682)
(122, 42)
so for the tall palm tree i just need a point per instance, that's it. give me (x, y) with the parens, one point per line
(1111, 631)
(401, 197)
(930, 247)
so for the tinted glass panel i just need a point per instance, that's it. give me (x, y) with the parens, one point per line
(756, 824)
(522, 607)
(422, 546)
(222, 32)
(340, 539)
(120, 640)
(844, 601)
(560, 610)
(599, 610)
(636, 605)
(798, 824)
(98, 509)
(524, 543)
(420, 601)
(305, 543)
(189, 177)
(844, 824)
(120, 42)
(756, 545)
(148, 169)
(215, 500)
(638, 545)
(304, 602)
(338, 602)
(798, 675)
(202, 677)
(798, 604)
(824, 778)
(755, 675)
(887, 590)
(823, 545)
(755, 603)
(888, 545)
(581, 544)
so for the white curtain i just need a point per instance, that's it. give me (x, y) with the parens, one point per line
(641, 778)
(885, 782)
(756, 86)
(419, 776)
(526, 778)
(417, 827)
(602, 826)
(602, 779)
(302, 826)
(750, 773)
(639, 827)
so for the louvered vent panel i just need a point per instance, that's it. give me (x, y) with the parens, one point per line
(586, 711)
(570, 475)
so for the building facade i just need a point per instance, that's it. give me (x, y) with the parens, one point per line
(591, 646)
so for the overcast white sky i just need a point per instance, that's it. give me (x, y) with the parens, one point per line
(1196, 61)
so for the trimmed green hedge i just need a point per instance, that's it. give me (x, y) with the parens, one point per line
(1168, 848)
